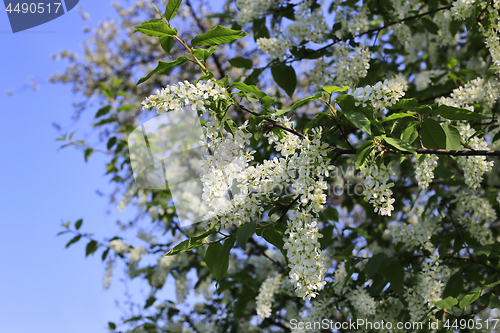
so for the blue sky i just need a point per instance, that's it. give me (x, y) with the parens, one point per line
(43, 286)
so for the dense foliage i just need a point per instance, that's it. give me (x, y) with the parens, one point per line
(350, 169)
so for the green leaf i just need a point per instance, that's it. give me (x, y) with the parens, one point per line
(491, 285)
(402, 122)
(401, 145)
(275, 238)
(260, 29)
(111, 142)
(74, 240)
(126, 108)
(331, 214)
(453, 113)
(240, 62)
(453, 137)
(448, 303)
(373, 265)
(218, 35)
(267, 101)
(285, 77)
(156, 29)
(78, 224)
(217, 257)
(150, 301)
(469, 299)
(455, 26)
(430, 26)
(359, 120)
(230, 126)
(87, 153)
(410, 133)
(327, 238)
(363, 152)
(254, 77)
(398, 116)
(166, 43)
(334, 89)
(184, 246)
(395, 274)
(299, 104)
(172, 8)
(405, 104)
(164, 67)
(490, 300)
(91, 247)
(454, 286)
(111, 325)
(204, 235)
(104, 254)
(244, 233)
(248, 88)
(313, 122)
(103, 111)
(433, 135)
(451, 63)
(204, 54)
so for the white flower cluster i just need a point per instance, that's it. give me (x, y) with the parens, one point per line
(481, 232)
(274, 46)
(302, 166)
(136, 253)
(382, 95)
(403, 7)
(480, 211)
(402, 33)
(423, 79)
(424, 172)
(340, 278)
(264, 300)
(364, 304)
(165, 265)
(308, 25)
(353, 21)
(377, 188)
(182, 287)
(347, 68)
(109, 273)
(475, 91)
(250, 10)
(174, 97)
(480, 208)
(428, 289)
(119, 246)
(356, 22)
(444, 37)
(493, 43)
(306, 260)
(307, 168)
(474, 166)
(350, 64)
(319, 310)
(228, 163)
(462, 9)
(418, 230)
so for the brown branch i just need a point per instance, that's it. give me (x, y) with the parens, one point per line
(259, 248)
(352, 151)
(274, 122)
(288, 208)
